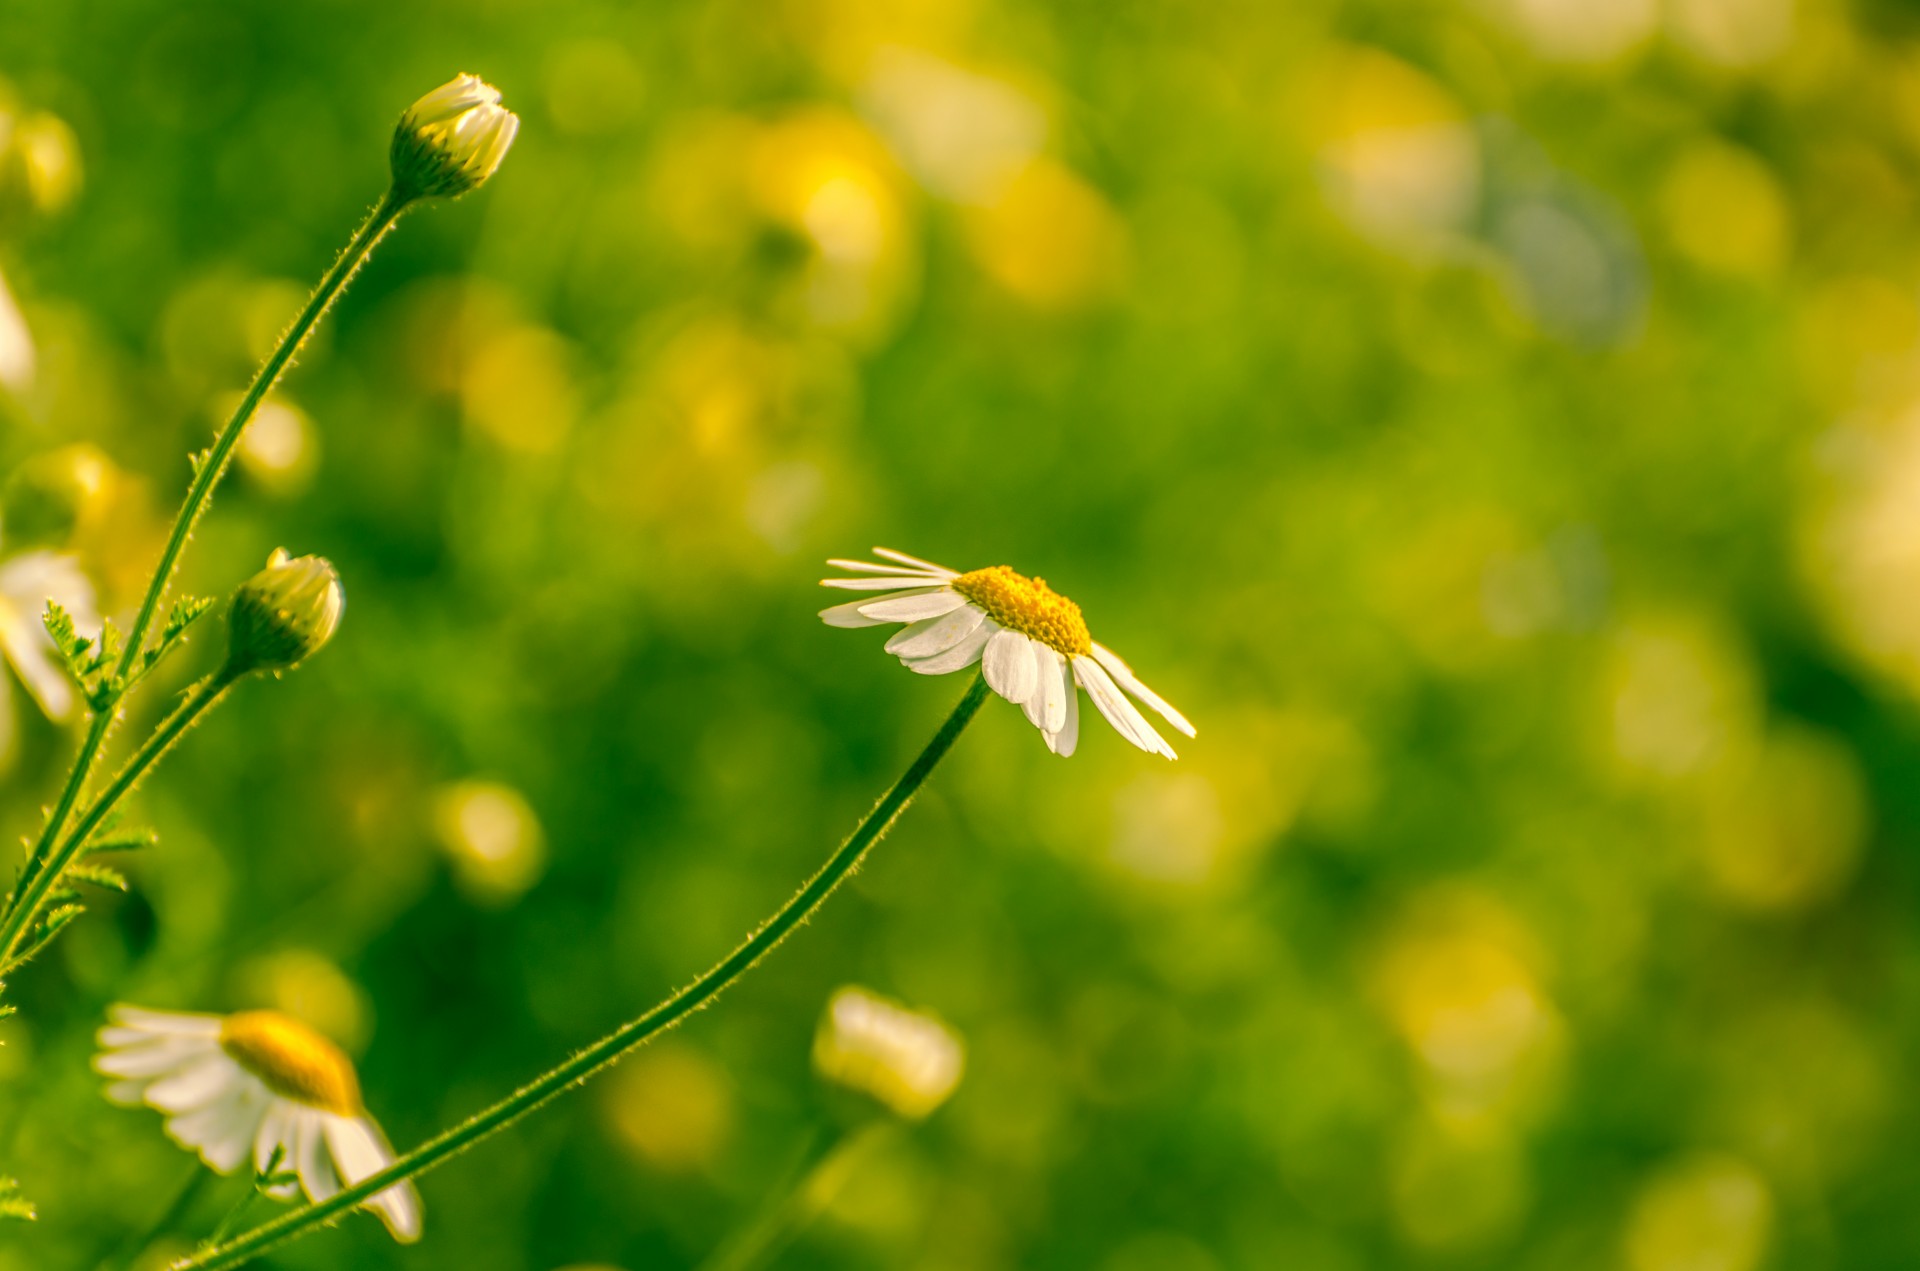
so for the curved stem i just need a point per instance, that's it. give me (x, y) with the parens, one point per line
(212, 467)
(19, 920)
(621, 1040)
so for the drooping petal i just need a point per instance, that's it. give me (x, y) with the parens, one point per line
(152, 1058)
(312, 1157)
(869, 567)
(1121, 713)
(914, 608)
(224, 1130)
(888, 553)
(961, 655)
(849, 615)
(359, 1152)
(1123, 675)
(1063, 742)
(1009, 666)
(170, 1022)
(893, 582)
(1047, 706)
(932, 636)
(194, 1085)
(275, 1128)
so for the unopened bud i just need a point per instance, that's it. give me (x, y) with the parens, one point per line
(283, 615)
(53, 496)
(451, 140)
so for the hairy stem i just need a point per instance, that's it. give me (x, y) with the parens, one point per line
(206, 476)
(610, 1048)
(20, 919)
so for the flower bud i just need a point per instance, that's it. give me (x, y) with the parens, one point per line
(451, 140)
(907, 1060)
(283, 614)
(53, 496)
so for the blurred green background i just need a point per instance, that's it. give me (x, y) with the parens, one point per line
(1494, 422)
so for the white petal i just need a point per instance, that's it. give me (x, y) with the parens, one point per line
(894, 583)
(1047, 707)
(223, 1130)
(868, 567)
(127, 1093)
(1123, 675)
(182, 1023)
(1010, 666)
(1121, 713)
(1063, 742)
(914, 561)
(312, 1158)
(926, 604)
(360, 1152)
(275, 1129)
(929, 636)
(195, 1085)
(960, 656)
(153, 1058)
(31, 652)
(1035, 704)
(849, 615)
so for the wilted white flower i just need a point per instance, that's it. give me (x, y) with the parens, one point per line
(451, 140)
(255, 1084)
(906, 1059)
(1033, 643)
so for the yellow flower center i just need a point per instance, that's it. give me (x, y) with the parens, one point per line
(1029, 606)
(292, 1060)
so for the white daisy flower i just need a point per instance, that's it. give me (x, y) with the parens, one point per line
(1032, 642)
(234, 1086)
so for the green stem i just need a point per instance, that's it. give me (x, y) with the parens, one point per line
(130, 1251)
(587, 1062)
(797, 1203)
(199, 494)
(19, 920)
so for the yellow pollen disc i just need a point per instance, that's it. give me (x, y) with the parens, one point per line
(292, 1060)
(1029, 606)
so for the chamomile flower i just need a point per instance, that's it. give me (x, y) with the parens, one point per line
(1032, 643)
(250, 1085)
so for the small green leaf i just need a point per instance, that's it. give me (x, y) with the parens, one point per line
(122, 840)
(98, 875)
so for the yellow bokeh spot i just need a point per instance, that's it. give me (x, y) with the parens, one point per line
(1050, 238)
(1397, 157)
(1861, 540)
(306, 985)
(1726, 211)
(1458, 976)
(1679, 698)
(490, 834)
(1784, 830)
(517, 387)
(1706, 1213)
(671, 1107)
